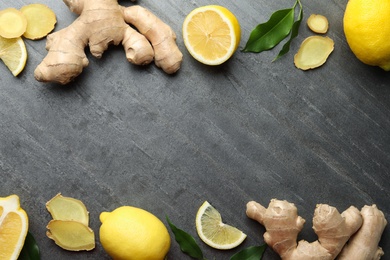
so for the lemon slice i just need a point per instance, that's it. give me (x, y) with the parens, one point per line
(211, 34)
(215, 233)
(14, 54)
(13, 227)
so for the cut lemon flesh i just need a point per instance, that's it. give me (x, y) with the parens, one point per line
(13, 227)
(211, 34)
(14, 54)
(214, 232)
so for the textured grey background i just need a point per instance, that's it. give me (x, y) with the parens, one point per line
(250, 129)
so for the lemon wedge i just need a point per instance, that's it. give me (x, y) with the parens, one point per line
(13, 227)
(214, 232)
(211, 34)
(13, 53)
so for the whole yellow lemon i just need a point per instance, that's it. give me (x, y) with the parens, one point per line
(367, 30)
(130, 233)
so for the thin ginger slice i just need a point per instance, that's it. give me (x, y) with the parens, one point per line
(318, 23)
(12, 23)
(66, 208)
(41, 21)
(314, 52)
(71, 235)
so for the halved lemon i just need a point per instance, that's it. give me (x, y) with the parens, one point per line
(13, 53)
(13, 227)
(214, 232)
(211, 34)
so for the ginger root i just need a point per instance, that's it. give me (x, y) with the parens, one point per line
(101, 23)
(318, 23)
(333, 229)
(41, 20)
(12, 23)
(364, 244)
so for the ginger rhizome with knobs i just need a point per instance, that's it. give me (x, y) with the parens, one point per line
(101, 23)
(364, 244)
(283, 224)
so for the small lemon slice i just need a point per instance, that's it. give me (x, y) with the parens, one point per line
(13, 227)
(14, 54)
(215, 233)
(211, 34)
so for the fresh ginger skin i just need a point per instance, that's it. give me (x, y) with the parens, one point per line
(364, 244)
(101, 23)
(283, 224)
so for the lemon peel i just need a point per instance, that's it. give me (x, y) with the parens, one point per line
(132, 233)
(367, 30)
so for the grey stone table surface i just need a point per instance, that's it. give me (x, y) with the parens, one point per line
(250, 129)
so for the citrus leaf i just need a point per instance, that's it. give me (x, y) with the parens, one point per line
(267, 35)
(186, 242)
(294, 33)
(30, 250)
(250, 253)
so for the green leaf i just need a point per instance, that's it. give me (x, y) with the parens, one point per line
(250, 253)
(30, 250)
(267, 35)
(186, 242)
(294, 33)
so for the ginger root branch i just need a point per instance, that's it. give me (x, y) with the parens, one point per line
(364, 244)
(333, 229)
(101, 23)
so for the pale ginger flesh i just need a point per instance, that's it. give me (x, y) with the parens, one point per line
(101, 23)
(283, 224)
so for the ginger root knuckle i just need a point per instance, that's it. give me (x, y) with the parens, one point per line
(168, 57)
(137, 47)
(102, 23)
(352, 234)
(364, 243)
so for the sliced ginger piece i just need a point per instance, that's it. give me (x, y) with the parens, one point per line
(12, 23)
(41, 21)
(71, 235)
(318, 23)
(66, 208)
(314, 52)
